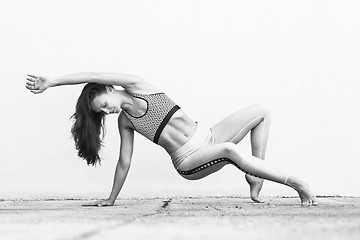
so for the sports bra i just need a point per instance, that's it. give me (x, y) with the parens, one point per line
(160, 108)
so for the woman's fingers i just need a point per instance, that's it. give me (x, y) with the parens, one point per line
(95, 204)
(30, 83)
(90, 204)
(31, 79)
(103, 204)
(31, 87)
(31, 75)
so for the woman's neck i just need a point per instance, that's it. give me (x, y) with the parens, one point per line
(126, 101)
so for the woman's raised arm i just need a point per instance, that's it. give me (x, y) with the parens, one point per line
(38, 84)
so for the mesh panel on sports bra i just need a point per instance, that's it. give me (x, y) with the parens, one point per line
(160, 108)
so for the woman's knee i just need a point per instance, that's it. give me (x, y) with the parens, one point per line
(264, 111)
(231, 150)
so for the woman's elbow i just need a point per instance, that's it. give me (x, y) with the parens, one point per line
(94, 77)
(137, 78)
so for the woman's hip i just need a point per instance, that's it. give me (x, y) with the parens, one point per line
(200, 139)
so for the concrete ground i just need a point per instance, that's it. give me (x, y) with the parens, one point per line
(181, 218)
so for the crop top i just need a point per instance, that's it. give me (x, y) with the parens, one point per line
(160, 108)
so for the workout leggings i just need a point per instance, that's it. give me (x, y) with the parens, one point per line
(201, 156)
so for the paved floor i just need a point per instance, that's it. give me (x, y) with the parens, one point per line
(181, 218)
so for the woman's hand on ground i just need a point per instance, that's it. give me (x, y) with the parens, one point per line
(37, 84)
(101, 203)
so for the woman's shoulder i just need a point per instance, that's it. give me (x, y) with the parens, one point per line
(124, 122)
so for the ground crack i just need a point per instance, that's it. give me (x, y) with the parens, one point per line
(218, 209)
(97, 231)
(165, 204)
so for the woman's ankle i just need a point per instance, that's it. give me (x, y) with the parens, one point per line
(295, 182)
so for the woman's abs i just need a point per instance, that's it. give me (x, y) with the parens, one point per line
(177, 131)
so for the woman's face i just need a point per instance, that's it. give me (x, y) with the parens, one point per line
(107, 102)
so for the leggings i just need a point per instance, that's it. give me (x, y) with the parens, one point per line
(209, 150)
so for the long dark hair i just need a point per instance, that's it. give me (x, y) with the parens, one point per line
(88, 128)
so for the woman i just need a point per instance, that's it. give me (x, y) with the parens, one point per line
(195, 151)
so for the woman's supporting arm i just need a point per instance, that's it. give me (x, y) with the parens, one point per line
(123, 165)
(126, 150)
(122, 169)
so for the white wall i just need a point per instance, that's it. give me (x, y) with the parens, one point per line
(301, 58)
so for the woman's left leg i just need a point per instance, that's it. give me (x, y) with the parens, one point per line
(212, 158)
(256, 120)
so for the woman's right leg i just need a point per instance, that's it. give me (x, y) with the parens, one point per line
(233, 128)
(211, 159)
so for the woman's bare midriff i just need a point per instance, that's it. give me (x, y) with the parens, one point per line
(177, 131)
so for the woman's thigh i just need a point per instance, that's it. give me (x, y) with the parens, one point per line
(205, 161)
(235, 127)
(211, 159)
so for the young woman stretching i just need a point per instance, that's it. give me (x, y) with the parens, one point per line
(195, 151)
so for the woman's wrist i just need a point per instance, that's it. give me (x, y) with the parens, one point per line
(52, 82)
(112, 199)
